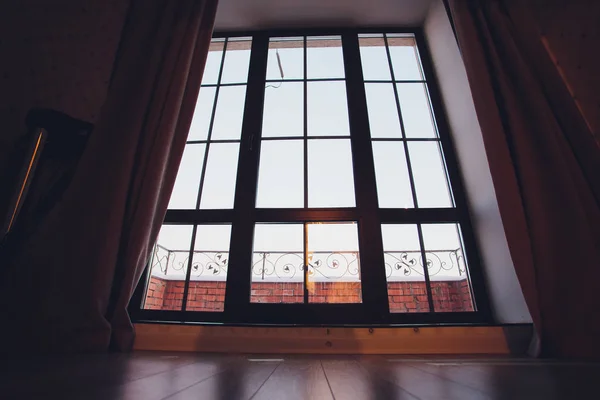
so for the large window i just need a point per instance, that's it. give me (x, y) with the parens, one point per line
(317, 186)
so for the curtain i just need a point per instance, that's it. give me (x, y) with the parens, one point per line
(68, 290)
(544, 163)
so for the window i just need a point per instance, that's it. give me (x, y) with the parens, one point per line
(317, 186)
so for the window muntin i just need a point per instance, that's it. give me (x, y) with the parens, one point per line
(207, 174)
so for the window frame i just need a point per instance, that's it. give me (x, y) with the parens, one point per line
(374, 310)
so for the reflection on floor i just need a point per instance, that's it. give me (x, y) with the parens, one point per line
(157, 375)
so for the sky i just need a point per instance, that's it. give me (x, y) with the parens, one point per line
(330, 176)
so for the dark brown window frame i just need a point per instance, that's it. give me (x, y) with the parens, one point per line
(374, 310)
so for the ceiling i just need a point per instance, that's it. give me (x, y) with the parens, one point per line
(237, 15)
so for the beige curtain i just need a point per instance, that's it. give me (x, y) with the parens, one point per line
(544, 163)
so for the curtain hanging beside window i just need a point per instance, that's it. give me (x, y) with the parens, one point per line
(544, 163)
(70, 289)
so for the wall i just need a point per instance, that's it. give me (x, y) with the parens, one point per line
(245, 15)
(504, 290)
(57, 54)
(403, 296)
(319, 292)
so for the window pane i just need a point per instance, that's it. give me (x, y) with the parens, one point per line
(187, 183)
(277, 264)
(281, 174)
(383, 111)
(416, 113)
(333, 263)
(213, 62)
(407, 290)
(229, 113)
(168, 268)
(237, 59)
(330, 176)
(324, 57)
(209, 268)
(291, 58)
(429, 175)
(374, 57)
(447, 268)
(221, 172)
(391, 173)
(202, 114)
(284, 110)
(327, 109)
(404, 58)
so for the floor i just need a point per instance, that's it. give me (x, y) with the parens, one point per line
(157, 375)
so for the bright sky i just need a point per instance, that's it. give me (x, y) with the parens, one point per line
(330, 176)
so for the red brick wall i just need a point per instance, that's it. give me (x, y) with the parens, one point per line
(168, 295)
(448, 296)
(334, 292)
(155, 295)
(206, 296)
(452, 296)
(274, 292)
(319, 292)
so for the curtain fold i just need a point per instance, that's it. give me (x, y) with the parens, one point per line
(544, 165)
(70, 287)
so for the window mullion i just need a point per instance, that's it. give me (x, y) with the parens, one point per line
(371, 248)
(237, 296)
(410, 176)
(456, 184)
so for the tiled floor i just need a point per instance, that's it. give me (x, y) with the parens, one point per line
(148, 376)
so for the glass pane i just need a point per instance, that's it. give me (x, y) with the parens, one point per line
(383, 112)
(187, 183)
(213, 62)
(374, 58)
(237, 59)
(209, 268)
(221, 172)
(284, 110)
(229, 113)
(286, 58)
(327, 109)
(407, 290)
(324, 57)
(202, 114)
(429, 175)
(416, 113)
(403, 52)
(447, 268)
(333, 263)
(391, 174)
(330, 176)
(277, 264)
(168, 268)
(281, 174)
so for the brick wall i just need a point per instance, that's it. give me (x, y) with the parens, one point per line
(319, 292)
(168, 295)
(206, 296)
(275, 292)
(155, 296)
(334, 292)
(448, 296)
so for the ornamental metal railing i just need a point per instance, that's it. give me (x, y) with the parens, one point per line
(289, 266)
